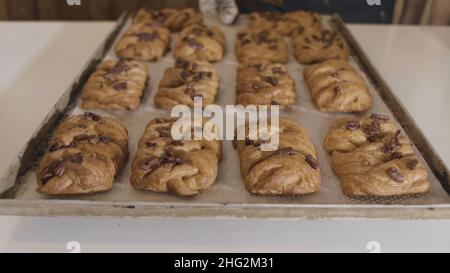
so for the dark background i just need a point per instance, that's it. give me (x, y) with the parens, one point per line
(89, 9)
(350, 10)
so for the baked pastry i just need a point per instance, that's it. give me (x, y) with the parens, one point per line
(317, 46)
(85, 153)
(173, 19)
(115, 85)
(143, 42)
(372, 158)
(185, 81)
(290, 170)
(303, 19)
(200, 43)
(268, 20)
(183, 167)
(265, 83)
(260, 45)
(336, 86)
(284, 23)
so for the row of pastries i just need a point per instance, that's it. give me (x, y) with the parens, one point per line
(368, 154)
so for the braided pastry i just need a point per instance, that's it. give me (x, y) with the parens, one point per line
(143, 42)
(174, 20)
(186, 81)
(265, 83)
(85, 153)
(372, 157)
(284, 23)
(316, 46)
(336, 86)
(115, 85)
(307, 20)
(291, 170)
(200, 43)
(184, 167)
(260, 45)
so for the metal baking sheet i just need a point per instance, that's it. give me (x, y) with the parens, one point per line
(227, 197)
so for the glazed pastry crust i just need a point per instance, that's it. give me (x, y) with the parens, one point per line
(115, 85)
(184, 167)
(260, 45)
(200, 43)
(317, 46)
(284, 23)
(143, 42)
(303, 19)
(184, 82)
(265, 84)
(290, 170)
(336, 86)
(372, 158)
(85, 153)
(174, 20)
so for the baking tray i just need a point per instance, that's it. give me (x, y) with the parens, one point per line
(227, 197)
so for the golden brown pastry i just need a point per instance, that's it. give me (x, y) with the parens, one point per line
(372, 158)
(293, 169)
(186, 81)
(85, 153)
(200, 43)
(174, 20)
(336, 86)
(316, 46)
(115, 85)
(307, 20)
(143, 42)
(183, 167)
(265, 83)
(260, 45)
(284, 23)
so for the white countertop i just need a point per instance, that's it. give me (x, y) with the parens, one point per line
(39, 60)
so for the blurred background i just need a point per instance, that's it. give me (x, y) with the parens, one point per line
(429, 12)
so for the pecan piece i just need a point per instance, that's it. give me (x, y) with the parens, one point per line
(353, 125)
(92, 116)
(395, 174)
(412, 164)
(312, 162)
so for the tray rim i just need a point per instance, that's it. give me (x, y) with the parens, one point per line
(235, 210)
(83, 208)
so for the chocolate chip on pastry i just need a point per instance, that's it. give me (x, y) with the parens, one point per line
(284, 23)
(317, 46)
(85, 153)
(184, 167)
(336, 86)
(200, 43)
(292, 169)
(260, 45)
(115, 85)
(143, 42)
(185, 81)
(265, 83)
(372, 158)
(174, 20)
